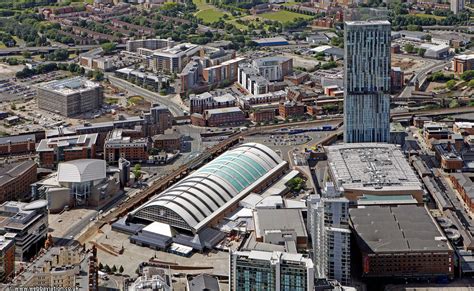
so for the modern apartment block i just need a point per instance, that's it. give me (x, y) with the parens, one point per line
(174, 59)
(66, 148)
(257, 77)
(151, 44)
(26, 224)
(117, 146)
(71, 96)
(330, 235)
(367, 81)
(260, 270)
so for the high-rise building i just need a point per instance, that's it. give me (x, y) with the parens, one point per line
(258, 270)
(367, 81)
(330, 235)
(457, 6)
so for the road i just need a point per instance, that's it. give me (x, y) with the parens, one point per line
(150, 96)
(421, 75)
(76, 229)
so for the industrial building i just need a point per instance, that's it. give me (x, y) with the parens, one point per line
(26, 224)
(371, 168)
(70, 96)
(83, 182)
(367, 81)
(259, 270)
(202, 198)
(15, 180)
(401, 242)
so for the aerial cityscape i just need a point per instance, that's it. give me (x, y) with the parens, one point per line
(241, 145)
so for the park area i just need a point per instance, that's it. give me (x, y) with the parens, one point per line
(284, 16)
(210, 14)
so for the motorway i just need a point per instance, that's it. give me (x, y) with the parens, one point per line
(150, 96)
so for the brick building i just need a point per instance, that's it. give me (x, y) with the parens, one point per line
(224, 116)
(290, 108)
(15, 180)
(17, 144)
(117, 146)
(169, 141)
(66, 148)
(401, 242)
(462, 63)
(397, 79)
(262, 115)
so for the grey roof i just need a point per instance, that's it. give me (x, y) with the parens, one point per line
(9, 172)
(403, 228)
(280, 219)
(371, 166)
(17, 138)
(82, 170)
(204, 282)
(196, 198)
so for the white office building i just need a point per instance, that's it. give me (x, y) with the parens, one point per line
(457, 6)
(367, 81)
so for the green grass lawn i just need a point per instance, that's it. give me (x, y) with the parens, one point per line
(237, 25)
(2, 45)
(210, 15)
(422, 15)
(283, 16)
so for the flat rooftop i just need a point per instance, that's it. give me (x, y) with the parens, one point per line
(69, 86)
(371, 166)
(279, 219)
(403, 228)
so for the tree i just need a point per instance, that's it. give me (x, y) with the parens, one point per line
(121, 269)
(101, 266)
(109, 47)
(137, 171)
(454, 104)
(97, 75)
(114, 269)
(409, 48)
(467, 75)
(471, 84)
(26, 54)
(421, 52)
(296, 184)
(107, 269)
(450, 84)
(13, 106)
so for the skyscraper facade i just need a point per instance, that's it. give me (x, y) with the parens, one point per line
(367, 81)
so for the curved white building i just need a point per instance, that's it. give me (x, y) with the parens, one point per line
(202, 197)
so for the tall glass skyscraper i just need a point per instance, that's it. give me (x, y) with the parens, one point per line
(367, 81)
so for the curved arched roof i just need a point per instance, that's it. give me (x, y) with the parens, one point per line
(82, 170)
(200, 194)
